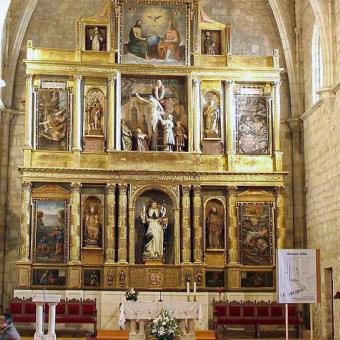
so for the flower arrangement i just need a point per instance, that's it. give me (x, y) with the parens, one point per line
(131, 295)
(164, 326)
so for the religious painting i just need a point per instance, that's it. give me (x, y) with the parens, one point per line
(154, 228)
(53, 117)
(95, 38)
(211, 42)
(211, 115)
(93, 221)
(50, 221)
(214, 224)
(252, 125)
(214, 278)
(154, 114)
(95, 107)
(256, 233)
(49, 277)
(257, 279)
(154, 33)
(92, 278)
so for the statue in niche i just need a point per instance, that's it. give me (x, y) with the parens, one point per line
(110, 278)
(169, 138)
(155, 223)
(97, 40)
(214, 228)
(92, 223)
(95, 112)
(209, 44)
(142, 140)
(181, 136)
(126, 136)
(211, 114)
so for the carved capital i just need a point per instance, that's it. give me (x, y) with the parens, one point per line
(122, 188)
(110, 188)
(26, 186)
(277, 84)
(197, 190)
(232, 190)
(186, 190)
(75, 187)
(280, 191)
(197, 82)
(111, 80)
(77, 78)
(229, 83)
(29, 77)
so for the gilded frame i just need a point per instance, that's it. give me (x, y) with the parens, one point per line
(258, 287)
(48, 269)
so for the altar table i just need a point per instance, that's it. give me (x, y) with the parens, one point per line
(138, 313)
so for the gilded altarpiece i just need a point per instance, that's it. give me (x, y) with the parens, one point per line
(152, 158)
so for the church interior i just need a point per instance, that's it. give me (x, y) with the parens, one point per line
(162, 155)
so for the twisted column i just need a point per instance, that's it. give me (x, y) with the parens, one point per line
(233, 228)
(122, 224)
(198, 255)
(75, 224)
(186, 230)
(25, 222)
(111, 226)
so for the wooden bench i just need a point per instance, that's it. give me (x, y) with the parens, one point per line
(67, 311)
(256, 314)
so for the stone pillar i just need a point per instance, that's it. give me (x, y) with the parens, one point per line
(118, 111)
(77, 113)
(75, 224)
(51, 321)
(197, 114)
(198, 254)
(122, 224)
(233, 257)
(29, 113)
(276, 116)
(111, 115)
(280, 218)
(39, 321)
(186, 227)
(230, 123)
(25, 222)
(111, 226)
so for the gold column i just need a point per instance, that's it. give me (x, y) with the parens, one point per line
(24, 252)
(280, 218)
(186, 230)
(118, 111)
(77, 113)
(111, 226)
(230, 116)
(232, 226)
(198, 255)
(277, 116)
(75, 224)
(29, 112)
(111, 115)
(122, 224)
(197, 114)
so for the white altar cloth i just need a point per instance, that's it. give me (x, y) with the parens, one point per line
(131, 310)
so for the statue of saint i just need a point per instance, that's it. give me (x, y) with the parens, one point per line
(95, 115)
(156, 222)
(126, 136)
(209, 44)
(169, 138)
(181, 136)
(142, 140)
(211, 117)
(214, 228)
(97, 40)
(92, 227)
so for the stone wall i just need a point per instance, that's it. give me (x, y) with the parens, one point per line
(53, 25)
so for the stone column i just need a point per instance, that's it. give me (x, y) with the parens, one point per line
(51, 321)
(29, 113)
(25, 222)
(77, 113)
(280, 218)
(230, 123)
(118, 111)
(75, 224)
(111, 226)
(233, 257)
(111, 115)
(39, 321)
(198, 254)
(122, 224)
(197, 114)
(186, 227)
(276, 116)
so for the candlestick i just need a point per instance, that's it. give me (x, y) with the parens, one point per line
(195, 287)
(160, 297)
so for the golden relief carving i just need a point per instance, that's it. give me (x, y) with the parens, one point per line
(110, 226)
(186, 227)
(122, 218)
(232, 225)
(197, 201)
(75, 223)
(25, 222)
(280, 219)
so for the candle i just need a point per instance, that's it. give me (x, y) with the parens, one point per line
(195, 287)
(188, 288)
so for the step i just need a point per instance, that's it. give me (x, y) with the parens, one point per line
(205, 335)
(112, 334)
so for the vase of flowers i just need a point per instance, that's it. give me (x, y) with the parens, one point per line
(131, 295)
(164, 326)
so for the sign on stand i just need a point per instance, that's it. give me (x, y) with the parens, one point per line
(298, 278)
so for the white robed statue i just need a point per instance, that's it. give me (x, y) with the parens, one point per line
(156, 222)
